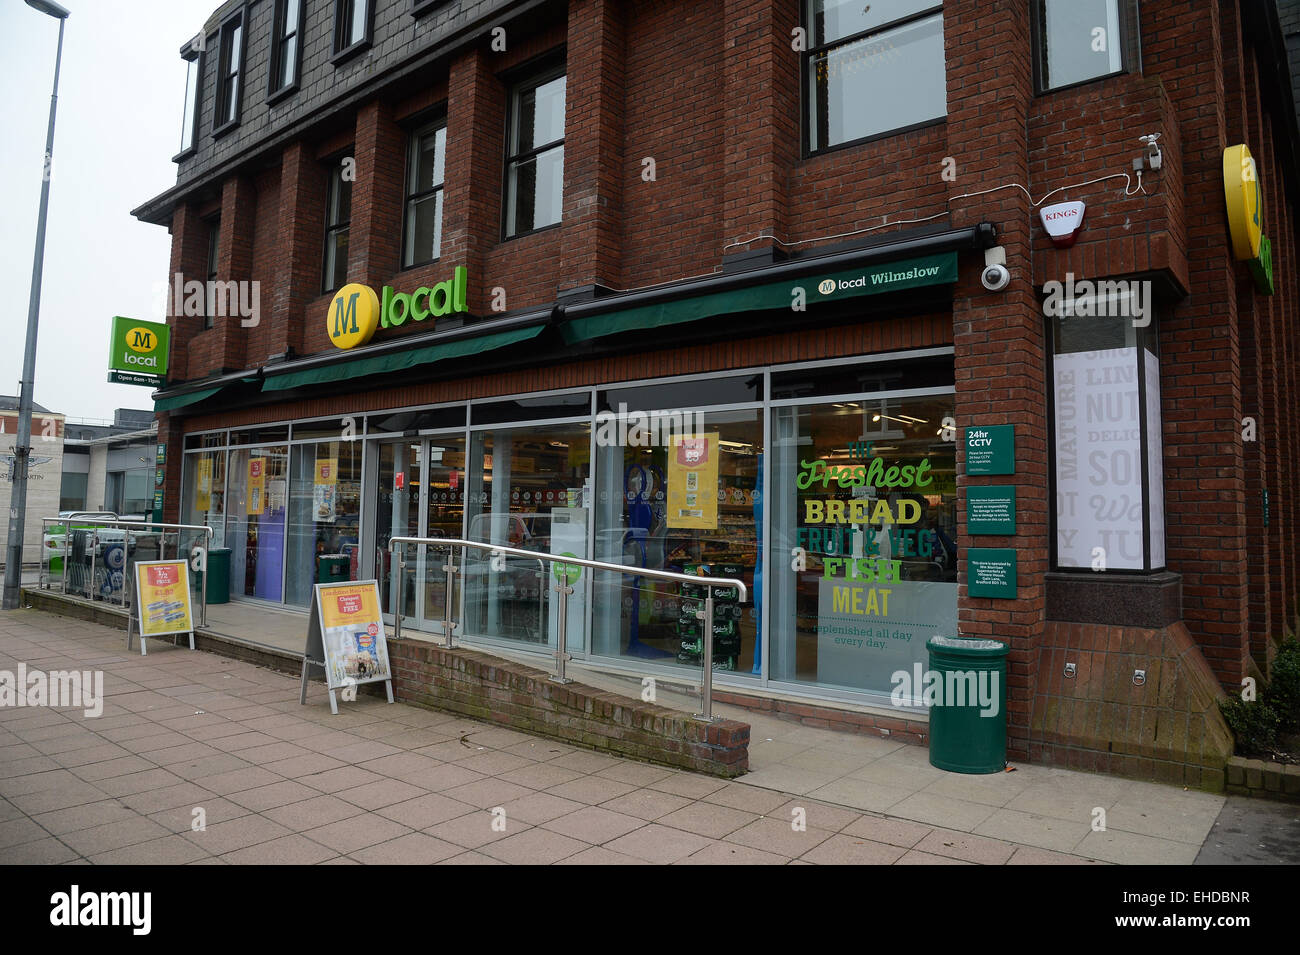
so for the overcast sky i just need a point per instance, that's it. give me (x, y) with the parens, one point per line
(119, 122)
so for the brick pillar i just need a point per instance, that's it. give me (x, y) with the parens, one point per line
(296, 260)
(1200, 355)
(375, 236)
(999, 336)
(761, 103)
(234, 263)
(170, 434)
(1242, 124)
(471, 215)
(594, 168)
(189, 261)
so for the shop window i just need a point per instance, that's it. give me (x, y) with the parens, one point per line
(352, 26)
(338, 220)
(230, 62)
(1108, 473)
(1077, 41)
(214, 238)
(257, 499)
(530, 488)
(681, 492)
(864, 510)
(203, 492)
(872, 69)
(422, 241)
(193, 88)
(286, 50)
(72, 492)
(535, 161)
(572, 405)
(323, 540)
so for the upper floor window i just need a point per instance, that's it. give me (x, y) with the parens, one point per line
(351, 26)
(872, 69)
(535, 161)
(214, 234)
(338, 220)
(1076, 41)
(193, 79)
(229, 65)
(285, 48)
(422, 237)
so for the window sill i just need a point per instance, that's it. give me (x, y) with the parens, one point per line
(420, 7)
(185, 154)
(1074, 86)
(538, 230)
(875, 137)
(282, 94)
(224, 129)
(420, 265)
(348, 53)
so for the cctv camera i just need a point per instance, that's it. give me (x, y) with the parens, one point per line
(995, 277)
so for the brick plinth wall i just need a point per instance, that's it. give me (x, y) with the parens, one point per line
(1168, 729)
(524, 698)
(904, 730)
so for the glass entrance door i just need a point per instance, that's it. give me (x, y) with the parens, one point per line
(421, 492)
(397, 514)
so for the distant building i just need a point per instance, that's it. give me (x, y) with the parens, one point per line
(44, 472)
(110, 466)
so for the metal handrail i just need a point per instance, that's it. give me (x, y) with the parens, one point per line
(563, 589)
(148, 527)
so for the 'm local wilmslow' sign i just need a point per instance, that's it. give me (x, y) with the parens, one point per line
(356, 311)
(137, 352)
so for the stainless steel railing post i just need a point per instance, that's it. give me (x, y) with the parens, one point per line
(401, 586)
(94, 546)
(448, 623)
(706, 684)
(563, 588)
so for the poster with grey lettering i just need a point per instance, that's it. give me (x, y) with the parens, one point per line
(1098, 459)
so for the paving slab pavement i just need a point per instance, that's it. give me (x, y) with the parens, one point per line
(188, 737)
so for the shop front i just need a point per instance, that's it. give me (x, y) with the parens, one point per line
(828, 487)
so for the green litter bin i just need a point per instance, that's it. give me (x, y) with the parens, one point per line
(968, 718)
(333, 568)
(216, 579)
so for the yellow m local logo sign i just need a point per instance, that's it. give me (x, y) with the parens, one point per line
(353, 315)
(356, 312)
(1241, 191)
(137, 351)
(141, 340)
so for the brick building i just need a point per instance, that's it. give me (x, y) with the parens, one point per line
(481, 229)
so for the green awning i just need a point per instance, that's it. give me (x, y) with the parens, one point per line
(398, 360)
(832, 286)
(180, 401)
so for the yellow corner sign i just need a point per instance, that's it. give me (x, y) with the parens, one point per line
(1245, 200)
(353, 315)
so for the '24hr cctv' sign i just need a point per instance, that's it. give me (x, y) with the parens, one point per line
(137, 352)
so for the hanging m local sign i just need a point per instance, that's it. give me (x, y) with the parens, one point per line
(137, 352)
(356, 312)
(1245, 203)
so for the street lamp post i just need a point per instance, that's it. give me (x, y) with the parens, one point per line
(22, 444)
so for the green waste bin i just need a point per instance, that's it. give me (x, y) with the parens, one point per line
(968, 718)
(333, 568)
(216, 579)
